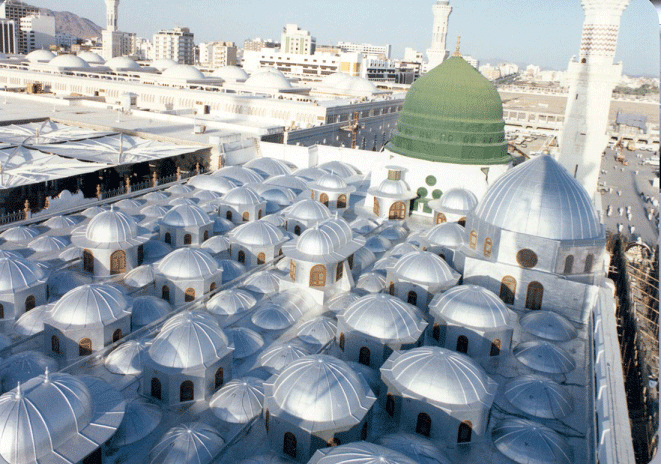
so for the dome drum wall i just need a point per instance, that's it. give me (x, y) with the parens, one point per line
(253, 255)
(240, 214)
(16, 302)
(74, 341)
(256, 243)
(179, 289)
(185, 225)
(183, 270)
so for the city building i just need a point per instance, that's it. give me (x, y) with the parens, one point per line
(382, 51)
(296, 65)
(8, 36)
(438, 52)
(297, 41)
(218, 54)
(257, 44)
(14, 10)
(38, 32)
(175, 44)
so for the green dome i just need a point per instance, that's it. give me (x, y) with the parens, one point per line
(452, 114)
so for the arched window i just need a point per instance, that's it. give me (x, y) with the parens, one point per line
(88, 261)
(186, 391)
(292, 270)
(534, 296)
(30, 303)
(488, 245)
(156, 388)
(526, 258)
(363, 431)
(206, 235)
(342, 201)
(188, 239)
(118, 262)
(465, 432)
(312, 194)
(423, 426)
(168, 238)
(212, 287)
(508, 289)
(339, 271)
(289, 445)
(412, 298)
(390, 404)
(569, 264)
(473, 240)
(495, 348)
(55, 344)
(342, 340)
(259, 214)
(189, 295)
(589, 261)
(246, 216)
(141, 254)
(323, 198)
(462, 344)
(436, 332)
(377, 208)
(2, 311)
(165, 293)
(397, 210)
(391, 288)
(462, 222)
(261, 258)
(241, 256)
(297, 230)
(364, 356)
(219, 378)
(318, 276)
(350, 261)
(267, 419)
(116, 335)
(440, 218)
(334, 442)
(228, 215)
(84, 347)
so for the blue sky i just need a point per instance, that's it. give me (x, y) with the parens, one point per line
(545, 32)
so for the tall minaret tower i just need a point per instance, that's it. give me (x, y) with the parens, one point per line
(437, 53)
(111, 14)
(112, 38)
(592, 79)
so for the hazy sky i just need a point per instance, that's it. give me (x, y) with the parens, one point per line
(543, 32)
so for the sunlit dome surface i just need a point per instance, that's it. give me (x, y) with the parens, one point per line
(425, 267)
(147, 309)
(186, 216)
(122, 63)
(319, 330)
(394, 233)
(456, 201)
(265, 282)
(18, 273)
(230, 73)
(258, 233)
(189, 443)
(544, 357)
(89, 305)
(239, 175)
(128, 358)
(548, 325)
(527, 442)
(179, 189)
(308, 210)
(110, 229)
(91, 57)
(40, 56)
(472, 306)
(239, 401)
(20, 234)
(361, 452)
(188, 263)
(448, 234)
(246, 342)
(61, 222)
(340, 168)
(539, 397)
(212, 183)
(163, 64)
(69, 62)
(279, 356)
(140, 419)
(423, 450)
(242, 196)
(372, 282)
(32, 322)
(49, 243)
(268, 167)
(184, 71)
(269, 79)
(155, 211)
(23, 366)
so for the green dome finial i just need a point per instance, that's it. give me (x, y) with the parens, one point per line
(457, 51)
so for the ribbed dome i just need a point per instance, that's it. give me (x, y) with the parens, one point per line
(539, 397)
(309, 210)
(456, 200)
(140, 419)
(317, 331)
(129, 204)
(239, 401)
(246, 342)
(400, 250)
(147, 309)
(281, 355)
(265, 282)
(242, 196)
(540, 198)
(386, 318)
(239, 175)
(156, 211)
(296, 184)
(439, 375)
(426, 268)
(269, 167)
(190, 443)
(128, 358)
(272, 317)
(155, 196)
(269, 79)
(163, 64)
(231, 301)
(320, 390)
(329, 182)
(89, 305)
(46, 412)
(68, 61)
(32, 322)
(423, 450)
(527, 442)
(18, 273)
(359, 453)
(183, 201)
(61, 222)
(122, 63)
(186, 216)
(549, 326)
(257, 233)
(544, 357)
(340, 168)
(452, 114)
(394, 233)
(310, 174)
(342, 302)
(49, 243)
(189, 340)
(448, 234)
(184, 71)
(23, 366)
(230, 73)
(111, 227)
(212, 183)
(372, 282)
(188, 263)
(315, 242)
(216, 244)
(20, 234)
(40, 56)
(140, 276)
(91, 57)
(377, 244)
(472, 306)
(392, 189)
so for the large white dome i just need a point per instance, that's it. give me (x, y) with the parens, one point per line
(308, 210)
(472, 306)
(184, 71)
(242, 196)
(122, 63)
(18, 273)
(186, 216)
(109, 228)
(188, 263)
(91, 57)
(40, 56)
(456, 200)
(89, 305)
(448, 234)
(69, 62)
(230, 73)
(269, 79)
(426, 268)
(257, 233)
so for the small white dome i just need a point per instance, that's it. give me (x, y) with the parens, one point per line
(315, 242)
(425, 268)
(548, 325)
(339, 168)
(18, 273)
(544, 357)
(329, 182)
(111, 227)
(140, 419)
(128, 358)
(342, 302)
(456, 200)
(280, 355)
(191, 443)
(264, 282)
(242, 196)
(257, 233)
(93, 211)
(539, 397)
(156, 211)
(239, 175)
(308, 210)
(363, 225)
(32, 322)
(378, 244)
(23, 366)
(392, 188)
(180, 189)
(527, 442)
(231, 269)
(129, 204)
(69, 62)
(186, 216)
(49, 243)
(156, 196)
(401, 249)
(147, 309)
(40, 56)
(423, 450)
(310, 174)
(61, 222)
(163, 64)
(291, 182)
(317, 331)
(184, 71)
(230, 73)
(371, 282)
(91, 57)
(188, 263)
(269, 79)
(448, 234)
(61, 282)
(272, 317)
(246, 342)
(230, 302)
(269, 167)
(394, 233)
(361, 452)
(222, 225)
(212, 183)
(89, 305)
(20, 234)
(122, 63)
(216, 244)
(239, 401)
(472, 306)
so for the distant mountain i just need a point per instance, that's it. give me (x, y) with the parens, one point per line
(73, 24)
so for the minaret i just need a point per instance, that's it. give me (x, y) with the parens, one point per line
(437, 53)
(111, 14)
(592, 79)
(110, 36)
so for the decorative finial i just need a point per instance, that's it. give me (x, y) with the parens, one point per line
(457, 51)
(46, 375)
(19, 394)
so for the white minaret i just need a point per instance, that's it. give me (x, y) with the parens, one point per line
(111, 14)
(437, 53)
(111, 37)
(592, 79)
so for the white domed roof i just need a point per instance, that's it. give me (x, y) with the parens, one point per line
(242, 196)
(363, 225)
(89, 305)
(472, 306)
(183, 201)
(361, 85)
(423, 450)
(340, 168)
(62, 281)
(246, 342)
(184, 71)
(528, 442)
(40, 56)
(345, 83)
(163, 64)
(91, 57)
(189, 339)
(315, 242)
(128, 358)
(140, 419)
(438, 375)
(180, 189)
(216, 244)
(335, 79)
(49, 243)
(68, 61)
(188, 263)
(147, 309)
(342, 302)
(269, 167)
(186, 216)
(448, 234)
(548, 325)
(257, 233)
(122, 63)
(343, 401)
(212, 183)
(539, 397)
(280, 355)
(44, 414)
(61, 222)
(239, 175)
(222, 225)
(361, 452)
(23, 366)
(153, 210)
(230, 73)
(378, 244)
(264, 282)
(456, 200)
(291, 182)
(372, 282)
(190, 443)
(269, 79)
(329, 182)
(544, 357)
(93, 211)
(18, 273)
(110, 227)
(386, 318)
(310, 174)
(155, 196)
(401, 249)
(272, 317)
(392, 189)
(327, 242)
(130, 204)
(394, 233)
(317, 331)
(239, 401)
(231, 269)
(539, 198)
(308, 210)
(20, 234)
(427, 268)
(231, 301)
(32, 322)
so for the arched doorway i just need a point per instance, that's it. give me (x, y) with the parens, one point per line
(228, 215)
(55, 344)
(390, 404)
(339, 271)
(84, 347)
(488, 246)
(186, 391)
(246, 216)
(30, 303)
(241, 257)
(165, 293)
(423, 426)
(116, 335)
(391, 288)
(212, 287)
(397, 210)
(342, 340)
(323, 198)
(436, 332)
(508, 289)
(297, 230)
(168, 238)
(206, 235)
(412, 298)
(465, 432)
(318, 276)
(156, 388)
(534, 296)
(589, 261)
(377, 208)
(188, 239)
(440, 218)
(267, 419)
(462, 222)
(342, 201)
(350, 261)
(118, 262)
(189, 295)
(462, 344)
(88, 261)
(141, 254)
(259, 214)
(569, 264)
(261, 258)
(219, 378)
(289, 445)
(495, 348)
(364, 356)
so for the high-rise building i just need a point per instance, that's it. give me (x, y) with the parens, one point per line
(438, 52)
(176, 44)
(8, 36)
(38, 31)
(383, 51)
(592, 78)
(255, 45)
(218, 54)
(15, 10)
(297, 41)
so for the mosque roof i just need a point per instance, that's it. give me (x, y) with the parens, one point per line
(425, 268)
(362, 452)
(525, 441)
(472, 306)
(257, 233)
(239, 401)
(188, 263)
(188, 443)
(89, 305)
(456, 200)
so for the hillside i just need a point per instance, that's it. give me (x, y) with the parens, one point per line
(73, 24)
